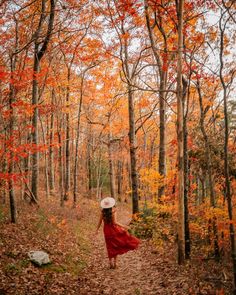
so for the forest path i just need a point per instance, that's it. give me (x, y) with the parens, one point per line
(139, 272)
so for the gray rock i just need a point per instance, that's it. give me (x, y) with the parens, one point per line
(39, 257)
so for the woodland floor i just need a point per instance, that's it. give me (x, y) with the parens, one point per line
(79, 260)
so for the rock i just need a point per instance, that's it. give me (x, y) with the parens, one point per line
(39, 257)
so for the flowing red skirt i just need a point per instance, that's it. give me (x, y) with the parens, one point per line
(118, 240)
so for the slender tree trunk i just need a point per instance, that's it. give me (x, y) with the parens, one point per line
(2, 182)
(61, 169)
(11, 165)
(38, 54)
(132, 130)
(67, 145)
(203, 190)
(111, 168)
(186, 193)
(35, 156)
(45, 161)
(89, 161)
(51, 169)
(77, 144)
(209, 170)
(133, 157)
(181, 211)
(162, 146)
(26, 169)
(98, 176)
(186, 167)
(228, 192)
(162, 97)
(119, 178)
(152, 152)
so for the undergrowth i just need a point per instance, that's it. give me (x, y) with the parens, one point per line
(153, 223)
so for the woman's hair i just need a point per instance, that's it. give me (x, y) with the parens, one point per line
(107, 215)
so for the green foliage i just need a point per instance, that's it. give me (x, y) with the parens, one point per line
(42, 224)
(144, 225)
(154, 223)
(11, 269)
(54, 268)
(82, 240)
(74, 266)
(16, 268)
(137, 291)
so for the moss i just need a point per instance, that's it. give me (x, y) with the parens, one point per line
(17, 267)
(2, 215)
(137, 291)
(74, 266)
(43, 225)
(55, 268)
(12, 269)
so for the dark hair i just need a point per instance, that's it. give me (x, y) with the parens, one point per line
(107, 215)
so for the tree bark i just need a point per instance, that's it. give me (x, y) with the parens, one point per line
(61, 169)
(45, 160)
(111, 167)
(51, 170)
(38, 54)
(162, 98)
(209, 169)
(186, 170)
(133, 156)
(228, 192)
(77, 143)
(132, 129)
(119, 178)
(11, 166)
(180, 137)
(67, 143)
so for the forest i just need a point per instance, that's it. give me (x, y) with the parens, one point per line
(129, 99)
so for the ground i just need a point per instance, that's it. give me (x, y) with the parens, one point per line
(79, 258)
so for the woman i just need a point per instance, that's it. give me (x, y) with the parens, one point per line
(118, 240)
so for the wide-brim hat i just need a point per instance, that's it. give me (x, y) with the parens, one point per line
(107, 202)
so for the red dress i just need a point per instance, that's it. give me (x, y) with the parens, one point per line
(118, 240)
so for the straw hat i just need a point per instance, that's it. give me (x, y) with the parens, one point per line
(107, 202)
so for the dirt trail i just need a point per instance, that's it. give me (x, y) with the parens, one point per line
(139, 272)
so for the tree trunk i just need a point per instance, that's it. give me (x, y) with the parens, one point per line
(119, 178)
(186, 192)
(98, 176)
(61, 170)
(45, 160)
(162, 147)
(3, 191)
(89, 161)
(186, 167)
(228, 192)
(67, 145)
(38, 54)
(11, 137)
(35, 156)
(209, 170)
(77, 144)
(203, 190)
(51, 170)
(162, 97)
(180, 156)
(133, 157)
(111, 168)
